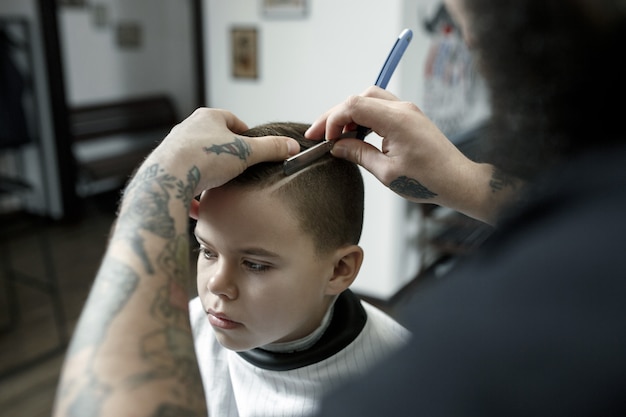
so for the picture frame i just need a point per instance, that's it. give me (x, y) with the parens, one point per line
(244, 45)
(129, 34)
(284, 8)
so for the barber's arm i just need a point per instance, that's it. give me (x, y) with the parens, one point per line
(132, 352)
(416, 160)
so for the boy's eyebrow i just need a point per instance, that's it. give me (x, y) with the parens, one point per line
(248, 251)
(198, 238)
(260, 252)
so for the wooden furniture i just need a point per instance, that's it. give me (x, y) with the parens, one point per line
(111, 139)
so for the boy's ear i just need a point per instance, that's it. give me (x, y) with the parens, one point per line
(348, 260)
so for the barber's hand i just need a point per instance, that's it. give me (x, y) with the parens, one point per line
(416, 160)
(209, 140)
(411, 146)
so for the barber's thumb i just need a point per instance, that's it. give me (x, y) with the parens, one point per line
(273, 148)
(292, 146)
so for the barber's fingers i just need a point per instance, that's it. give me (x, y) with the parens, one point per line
(377, 92)
(210, 140)
(270, 148)
(372, 109)
(367, 156)
(381, 115)
(219, 126)
(212, 116)
(221, 161)
(357, 151)
(335, 121)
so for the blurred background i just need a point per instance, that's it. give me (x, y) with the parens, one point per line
(89, 87)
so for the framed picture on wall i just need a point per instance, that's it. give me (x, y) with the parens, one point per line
(244, 52)
(284, 8)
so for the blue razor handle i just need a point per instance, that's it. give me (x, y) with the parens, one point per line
(305, 158)
(388, 68)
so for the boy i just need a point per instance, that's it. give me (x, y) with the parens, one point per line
(275, 325)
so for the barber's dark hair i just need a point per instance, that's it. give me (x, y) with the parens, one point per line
(555, 70)
(327, 198)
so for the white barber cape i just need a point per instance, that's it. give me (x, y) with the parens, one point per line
(263, 383)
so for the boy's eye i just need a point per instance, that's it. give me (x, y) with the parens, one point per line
(206, 253)
(255, 267)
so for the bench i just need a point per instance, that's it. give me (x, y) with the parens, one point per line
(109, 140)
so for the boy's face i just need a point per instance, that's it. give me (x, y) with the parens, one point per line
(259, 277)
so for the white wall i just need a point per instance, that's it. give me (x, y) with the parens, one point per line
(307, 65)
(97, 69)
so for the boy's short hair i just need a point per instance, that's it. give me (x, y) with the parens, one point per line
(327, 198)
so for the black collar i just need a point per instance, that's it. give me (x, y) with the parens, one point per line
(348, 320)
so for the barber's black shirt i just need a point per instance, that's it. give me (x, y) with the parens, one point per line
(532, 324)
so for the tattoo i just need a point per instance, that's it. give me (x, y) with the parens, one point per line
(501, 180)
(171, 303)
(90, 398)
(168, 351)
(186, 191)
(151, 190)
(171, 354)
(411, 188)
(238, 148)
(113, 287)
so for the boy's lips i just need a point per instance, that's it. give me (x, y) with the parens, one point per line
(221, 320)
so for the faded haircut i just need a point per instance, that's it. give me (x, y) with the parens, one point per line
(327, 198)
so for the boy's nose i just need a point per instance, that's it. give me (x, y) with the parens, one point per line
(222, 282)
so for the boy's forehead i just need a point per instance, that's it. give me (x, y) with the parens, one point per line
(257, 197)
(263, 201)
(268, 188)
(243, 217)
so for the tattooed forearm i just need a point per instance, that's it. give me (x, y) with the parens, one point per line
(167, 351)
(410, 187)
(239, 148)
(151, 192)
(89, 400)
(186, 191)
(144, 277)
(170, 305)
(171, 355)
(113, 287)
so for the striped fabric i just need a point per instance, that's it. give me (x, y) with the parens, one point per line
(237, 388)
